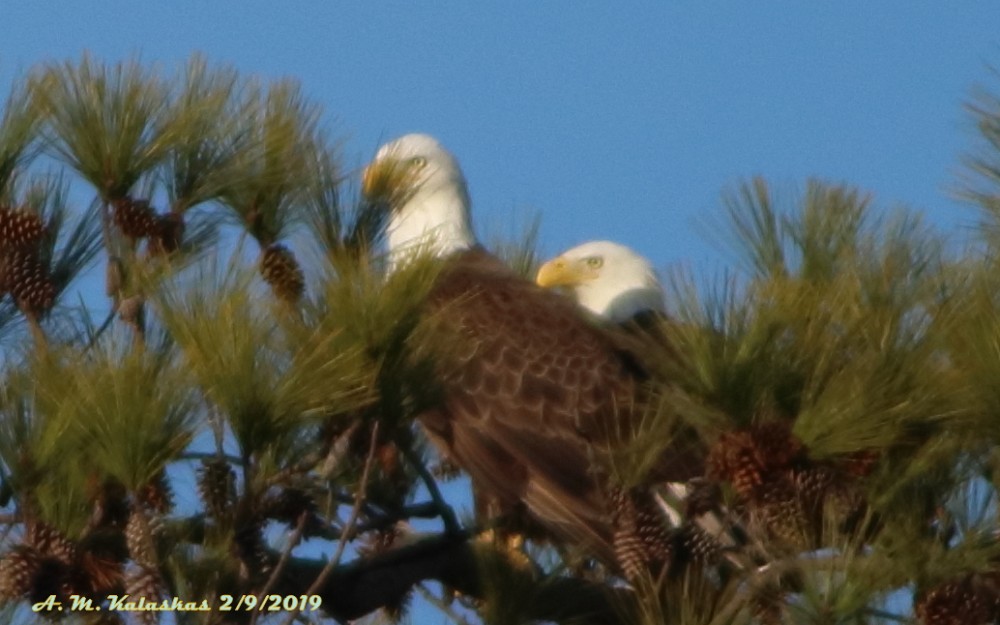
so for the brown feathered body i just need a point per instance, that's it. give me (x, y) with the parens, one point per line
(534, 395)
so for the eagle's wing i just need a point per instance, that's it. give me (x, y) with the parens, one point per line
(532, 392)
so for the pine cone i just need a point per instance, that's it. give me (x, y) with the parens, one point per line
(145, 582)
(732, 459)
(135, 218)
(22, 273)
(48, 541)
(217, 486)
(703, 497)
(641, 540)
(157, 494)
(140, 537)
(19, 229)
(776, 446)
(802, 504)
(690, 545)
(168, 233)
(282, 272)
(957, 602)
(748, 458)
(813, 484)
(18, 570)
(250, 548)
(779, 512)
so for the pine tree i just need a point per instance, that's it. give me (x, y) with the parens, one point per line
(841, 384)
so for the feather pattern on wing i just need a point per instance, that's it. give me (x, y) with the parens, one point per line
(531, 394)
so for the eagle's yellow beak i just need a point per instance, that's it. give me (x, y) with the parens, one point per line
(560, 272)
(390, 180)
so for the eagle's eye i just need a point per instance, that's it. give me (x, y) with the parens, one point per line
(595, 262)
(418, 162)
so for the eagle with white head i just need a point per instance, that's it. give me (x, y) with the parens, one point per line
(536, 391)
(609, 279)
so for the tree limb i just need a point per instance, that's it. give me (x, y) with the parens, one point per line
(360, 587)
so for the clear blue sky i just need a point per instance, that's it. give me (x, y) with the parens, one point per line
(613, 120)
(613, 123)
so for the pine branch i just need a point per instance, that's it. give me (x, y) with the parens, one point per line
(447, 515)
(279, 568)
(349, 526)
(363, 586)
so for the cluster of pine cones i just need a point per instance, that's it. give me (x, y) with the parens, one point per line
(784, 495)
(23, 273)
(969, 599)
(116, 552)
(290, 505)
(137, 220)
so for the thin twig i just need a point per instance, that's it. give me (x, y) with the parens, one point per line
(351, 521)
(422, 510)
(370, 509)
(448, 517)
(308, 462)
(282, 563)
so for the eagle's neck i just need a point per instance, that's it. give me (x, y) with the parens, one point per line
(432, 221)
(622, 303)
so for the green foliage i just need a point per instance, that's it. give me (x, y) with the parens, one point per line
(109, 123)
(834, 328)
(982, 180)
(72, 417)
(214, 136)
(382, 314)
(130, 411)
(72, 242)
(268, 387)
(278, 139)
(19, 127)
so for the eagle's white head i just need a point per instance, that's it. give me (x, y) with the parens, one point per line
(606, 278)
(427, 192)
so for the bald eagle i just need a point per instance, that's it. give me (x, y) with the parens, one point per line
(616, 284)
(619, 287)
(540, 389)
(608, 279)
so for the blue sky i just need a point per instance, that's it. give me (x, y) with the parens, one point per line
(622, 123)
(613, 120)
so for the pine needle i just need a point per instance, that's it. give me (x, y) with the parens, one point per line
(108, 123)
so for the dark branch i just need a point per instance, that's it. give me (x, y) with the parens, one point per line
(360, 587)
(451, 524)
